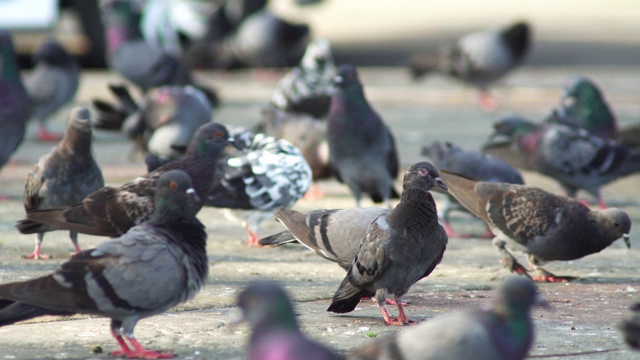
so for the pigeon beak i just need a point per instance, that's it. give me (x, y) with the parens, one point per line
(234, 143)
(192, 194)
(627, 240)
(441, 184)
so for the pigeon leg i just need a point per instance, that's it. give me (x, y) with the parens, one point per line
(386, 301)
(74, 240)
(388, 320)
(314, 193)
(509, 261)
(487, 101)
(115, 332)
(253, 237)
(37, 254)
(601, 203)
(401, 315)
(545, 276)
(44, 135)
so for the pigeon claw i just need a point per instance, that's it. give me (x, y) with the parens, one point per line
(550, 279)
(139, 352)
(36, 255)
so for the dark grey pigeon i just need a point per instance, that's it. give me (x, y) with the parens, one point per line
(472, 164)
(64, 176)
(361, 147)
(334, 234)
(153, 267)
(545, 226)
(308, 87)
(501, 331)
(275, 333)
(574, 157)
(51, 84)
(113, 211)
(399, 248)
(14, 103)
(631, 328)
(479, 58)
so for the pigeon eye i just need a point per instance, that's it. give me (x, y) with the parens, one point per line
(173, 185)
(217, 134)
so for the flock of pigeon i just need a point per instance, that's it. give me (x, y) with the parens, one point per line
(317, 125)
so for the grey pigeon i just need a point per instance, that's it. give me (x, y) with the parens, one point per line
(479, 58)
(584, 106)
(574, 157)
(51, 84)
(472, 164)
(275, 333)
(14, 103)
(545, 226)
(64, 176)
(307, 88)
(399, 248)
(112, 211)
(153, 267)
(361, 147)
(264, 174)
(631, 328)
(503, 330)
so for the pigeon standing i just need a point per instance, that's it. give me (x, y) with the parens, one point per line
(275, 333)
(501, 331)
(472, 164)
(14, 103)
(574, 157)
(399, 248)
(51, 84)
(307, 88)
(545, 226)
(479, 58)
(64, 176)
(153, 267)
(112, 211)
(361, 147)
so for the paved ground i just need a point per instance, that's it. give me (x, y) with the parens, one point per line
(582, 323)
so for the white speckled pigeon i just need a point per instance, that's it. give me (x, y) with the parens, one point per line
(153, 267)
(545, 226)
(64, 176)
(400, 248)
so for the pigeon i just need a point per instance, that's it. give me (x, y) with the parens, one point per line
(472, 164)
(64, 176)
(399, 248)
(478, 58)
(583, 106)
(112, 211)
(14, 103)
(574, 157)
(631, 328)
(307, 88)
(111, 116)
(545, 226)
(275, 333)
(51, 84)
(266, 173)
(502, 330)
(362, 149)
(156, 265)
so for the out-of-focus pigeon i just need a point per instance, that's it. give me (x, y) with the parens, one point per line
(630, 135)
(14, 103)
(574, 157)
(400, 248)
(112, 211)
(153, 267)
(111, 116)
(308, 87)
(361, 147)
(478, 58)
(64, 176)
(545, 226)
(503, 330)
(51, 84)
(264, 174)
(583, 106)
(275, 333)
(472, 164)
(631, 328)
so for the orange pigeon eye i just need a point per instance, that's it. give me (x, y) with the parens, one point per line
(173, 185)
(218, 134)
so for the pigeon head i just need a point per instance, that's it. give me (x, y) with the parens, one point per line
(512, 126)
(438, 151)
(174, 194)
(347, 77)
(265, 303)
(53, 53)
(516, 296)
(318, 54)
(209, 139)
(423, 175)
(518, 38)
(619, 225)
(80, 120)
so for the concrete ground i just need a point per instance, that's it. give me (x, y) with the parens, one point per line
(582, 324)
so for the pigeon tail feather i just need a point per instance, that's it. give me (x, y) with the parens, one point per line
(463, 189)
(347, 297)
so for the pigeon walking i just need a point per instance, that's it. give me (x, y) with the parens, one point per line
(399, 248)
(503, 330)
(113, 211)
(51, 84)
(275, 333)
(545, 226)
(478, 58)
(361, 147)
(153, 267)
(472, 164)
(574, 157)
(64, 176)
